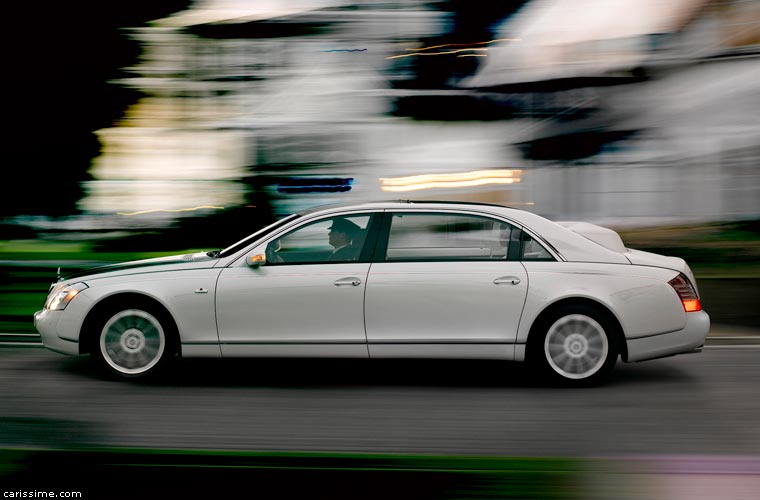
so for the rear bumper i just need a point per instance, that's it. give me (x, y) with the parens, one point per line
(46, 322)
(689, 339)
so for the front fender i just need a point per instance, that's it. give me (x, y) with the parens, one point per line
(188, 295)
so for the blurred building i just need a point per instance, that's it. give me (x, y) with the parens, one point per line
(647, 105)
(618, 111)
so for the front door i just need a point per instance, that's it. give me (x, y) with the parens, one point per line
(307, 299)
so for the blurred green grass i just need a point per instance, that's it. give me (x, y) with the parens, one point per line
(69, 254)
(716, 250)
(29, 267)
(336, 476)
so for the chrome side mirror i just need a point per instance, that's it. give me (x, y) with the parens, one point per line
(256, 260)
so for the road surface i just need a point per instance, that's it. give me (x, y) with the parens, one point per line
(704, 404)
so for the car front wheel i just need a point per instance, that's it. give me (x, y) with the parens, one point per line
(577, 347)
(133, 343)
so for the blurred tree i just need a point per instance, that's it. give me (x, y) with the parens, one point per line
(213, 231)
(469, 24)
(60, 59)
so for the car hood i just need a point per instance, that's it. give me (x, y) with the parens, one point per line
(168, 263)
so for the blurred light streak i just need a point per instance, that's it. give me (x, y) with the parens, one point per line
(432, 53)
(466, 44)
(190, 209)
(473, 55)
(467, 179)
(431, 185)
(477, 174)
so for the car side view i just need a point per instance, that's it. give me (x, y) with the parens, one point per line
(400, 279)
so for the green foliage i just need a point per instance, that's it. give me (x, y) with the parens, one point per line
(28, 267)
(309, 475)
(729, 249)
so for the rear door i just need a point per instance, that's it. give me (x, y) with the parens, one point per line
(444, 284)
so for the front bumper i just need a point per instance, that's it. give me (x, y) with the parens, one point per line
(690, 339)
(46, 322)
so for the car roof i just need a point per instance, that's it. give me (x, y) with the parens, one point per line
(403, 203)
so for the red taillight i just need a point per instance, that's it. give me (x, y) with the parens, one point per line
(691, 305)
(686, 293)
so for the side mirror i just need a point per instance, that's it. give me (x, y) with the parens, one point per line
(256, 260)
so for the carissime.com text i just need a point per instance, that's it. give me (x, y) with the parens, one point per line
(41, 494)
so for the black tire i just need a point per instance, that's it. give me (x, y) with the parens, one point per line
(135, 342)
(574, 345)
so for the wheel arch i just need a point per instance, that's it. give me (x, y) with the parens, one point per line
(120, 301)
(536, 332)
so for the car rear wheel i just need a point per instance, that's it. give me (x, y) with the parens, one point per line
(133, 342)
(577, 346)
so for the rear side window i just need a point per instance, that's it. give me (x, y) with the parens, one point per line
(533, 250)
(447, 237)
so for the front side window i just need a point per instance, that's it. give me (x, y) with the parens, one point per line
(258, 234)
(336, 239)
(447, 237)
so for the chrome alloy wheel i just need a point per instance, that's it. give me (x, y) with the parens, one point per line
(132, 342)
(576, 346)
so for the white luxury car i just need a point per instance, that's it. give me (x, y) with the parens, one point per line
(400, 279)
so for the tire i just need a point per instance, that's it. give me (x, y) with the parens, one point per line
(575, 345)
(134, 342)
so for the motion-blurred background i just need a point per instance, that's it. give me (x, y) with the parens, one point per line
(141, 128)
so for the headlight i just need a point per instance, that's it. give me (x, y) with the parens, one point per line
(60, 297)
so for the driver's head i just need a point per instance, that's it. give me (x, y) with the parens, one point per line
(342, 232)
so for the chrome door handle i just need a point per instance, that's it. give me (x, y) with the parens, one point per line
(507, 280)
(348, 281)
(201, 290)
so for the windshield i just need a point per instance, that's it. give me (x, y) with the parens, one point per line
(250, 239)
